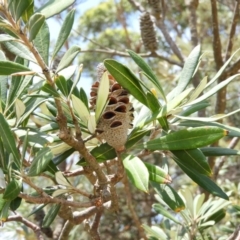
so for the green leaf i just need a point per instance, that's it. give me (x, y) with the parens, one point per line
(221, 70)
(202, 180)
(5, 211)
(157, 174)
(156, 232)
(186, 139)
(101, 153)
(126, 79)
(41, 42)
(6, 38)
(175, 102)
(153, 102)
(214, 89)
(62, 85)
(40, 161)
(12, 190)
(20, 50)
(81, 109)
(198, 90)
(147, 70)
(28, 12)
(15, 203)
(232, 131)
(8, 68)
(64, 32)
(219, 151)
(9, 141)
(63, 156)
(3, 92)
(60, 179)
(21, 7)
(51, 215)
(83, 97)
(135, 136)
(68, 57)
(137, 172)
(186, 73)
(102, 96)
(195, 159)
(53, 7)
(50, 89)
(35, 23)
(169, 196)
(161, 210)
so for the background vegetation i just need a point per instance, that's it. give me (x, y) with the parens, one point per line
(182, 56)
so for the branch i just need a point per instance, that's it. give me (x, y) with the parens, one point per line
(134, 215)
(232, 145)
(136, 5)
(68, 226)
(235, 235)
(93, 229)
(234, 68)
(34, 227)
(217, 48)
(143, 55)
(193, 22)
(232, 30)
(49, 199)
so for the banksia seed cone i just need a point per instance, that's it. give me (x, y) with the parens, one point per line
(148, 33)
(116, 119)
(156, 8)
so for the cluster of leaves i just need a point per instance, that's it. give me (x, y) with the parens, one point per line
(163, 123)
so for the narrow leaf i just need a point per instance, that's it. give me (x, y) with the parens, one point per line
(218, 151)
(41, 42)
(12, 190)
(147, 70)
(8, 140)
(187, 72)
(68, 57)
(137, 172)
(161, 210)
(195, 159)
(170, 197)
(35, 23)
(186, 139)
(49, 89)
(53, 7)
(8, 68)
(64, 32)
(126, 79)
(40, 162)
(61, 83)
(20, 50)
(202, 180)
(51, 215)
(214, 89)
(155, 232)
(157, 174)
(21, 7)
(102, 96)
(81, 109)
(61, 179)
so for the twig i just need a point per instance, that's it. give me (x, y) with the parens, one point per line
(68, 226)
(232, 145)
(235, 20)
(136, 5)
(235, 235)
(49, 199)
(131, 208)
(93, 231)
(160, 24)
(34, 227)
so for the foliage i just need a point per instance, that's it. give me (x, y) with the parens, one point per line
(46, 119)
